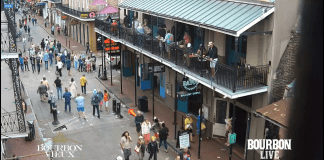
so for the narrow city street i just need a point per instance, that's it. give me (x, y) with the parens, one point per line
(99, 138)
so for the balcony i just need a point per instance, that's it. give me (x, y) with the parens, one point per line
(83, 16)
(227, 79)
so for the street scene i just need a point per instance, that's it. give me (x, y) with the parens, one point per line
(149, 79)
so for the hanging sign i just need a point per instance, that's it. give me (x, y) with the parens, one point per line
(92, 15)
(184, 140)
(189, 84)
(158, 68)
(84, 15)
(187, 94)
(63, 17)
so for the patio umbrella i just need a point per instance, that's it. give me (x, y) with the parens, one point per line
(108, 9)
(98, 2)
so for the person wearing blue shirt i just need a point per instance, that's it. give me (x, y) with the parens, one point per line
(45, 58)
(68, 65)
(67, 97)
(80, 105)
(58, 45)
(63, 59)
(50, 55)
(21, 61)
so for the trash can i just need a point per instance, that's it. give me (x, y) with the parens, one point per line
(143, 104)
(31, 134)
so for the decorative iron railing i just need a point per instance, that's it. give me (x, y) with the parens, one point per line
(10, 15)
(79, 14)
(226, 76)
(9, 122)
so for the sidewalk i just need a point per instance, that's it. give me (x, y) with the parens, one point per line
(210, 149)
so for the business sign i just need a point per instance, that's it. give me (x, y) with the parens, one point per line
(184, 140)
(158, 68)
(63, 17)
(189, 84)
(8, 6)
(84, 15)
(187, 94)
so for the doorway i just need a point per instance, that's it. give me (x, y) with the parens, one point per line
(230, 49)
(221, 112)
(240, 124)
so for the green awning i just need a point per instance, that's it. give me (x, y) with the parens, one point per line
(228, 17)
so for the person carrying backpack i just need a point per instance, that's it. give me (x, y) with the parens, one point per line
(95, 100)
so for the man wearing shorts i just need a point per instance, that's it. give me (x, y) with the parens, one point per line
(80, 105)
(106, 100)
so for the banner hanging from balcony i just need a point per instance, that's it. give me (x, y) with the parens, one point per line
(108, 10)
(98, 2)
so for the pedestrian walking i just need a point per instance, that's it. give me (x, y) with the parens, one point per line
(26, 63)
(21, 62)
(188, 126)
(33, 62)
(58, 45)
(228, 129)
(79, 100)
(73, 88)
(29, 18)
(125, 145)
(83, 82)
(52, 30)
(45, 82)
(95, 100)
(67, 97)
(152, 148)
(146, 126)
(25, 28)
(52, 100)
(202, 122)
(50, 55)
(42, 44)
(46, 42)
(59, 67)
(68, 66)
(42, 90)
(28, 29)
(93, 62)
(106, 100)
(63, 59)
(88, 63)
(58, 30)
(88, 47)
(45, 59)
(139, 119)
(140, 148)
(76, 61)
(101, 96)
(186, 154)
(80, 64)
(58, 85)
(163, 135)
(156, 128)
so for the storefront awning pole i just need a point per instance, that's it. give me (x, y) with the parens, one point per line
(136, 69)
(233, 123)
(175, 93)
(121, 69)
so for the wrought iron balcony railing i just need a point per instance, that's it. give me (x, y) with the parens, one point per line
(79, 14)
(226, 76)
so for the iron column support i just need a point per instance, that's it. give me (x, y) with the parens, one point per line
(153, 87)
(136, 68)
(233, 122)
(121, 70)
(175, 104)
(200, 115)
(235, 64)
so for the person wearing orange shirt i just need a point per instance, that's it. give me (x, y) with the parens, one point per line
(106, 100)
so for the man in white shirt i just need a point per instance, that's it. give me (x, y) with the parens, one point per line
(135, 23)
(59, 67)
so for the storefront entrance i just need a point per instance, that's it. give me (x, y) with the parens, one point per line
(230, 49)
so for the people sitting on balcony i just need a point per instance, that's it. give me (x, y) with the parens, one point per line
(126, 21)
(108, 19)
(114, 28)
(162, 31)
(169, 38)
(140, 28)
(135, 23)
(161, 45)
(186, 38)
(147, 30)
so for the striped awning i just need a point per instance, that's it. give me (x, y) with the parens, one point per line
(228, 17)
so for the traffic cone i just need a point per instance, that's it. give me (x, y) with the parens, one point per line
(131, 111)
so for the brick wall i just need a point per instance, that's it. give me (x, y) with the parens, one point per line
(286, 71)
